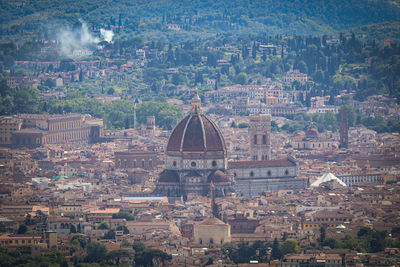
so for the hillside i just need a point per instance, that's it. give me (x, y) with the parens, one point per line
(196, 19)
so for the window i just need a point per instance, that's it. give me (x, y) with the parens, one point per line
(193, 164)
(214, 163)
(142, 163)
(174, 163)
(286, 172)
(150, 163)
(269, 173)
(264, 139)
(255, 139)
(134, 164)
(251, 173)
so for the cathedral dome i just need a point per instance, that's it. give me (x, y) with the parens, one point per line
(196, 133)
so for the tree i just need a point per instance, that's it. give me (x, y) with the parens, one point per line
(104, 225)
(138, 246)
(80, 241)
(241, 78)
(96, 252)
(110, 234)
(123, 228)
(276, 252)
(322, 235)
(290, 246)
(302, 66)
(116, 255)
(22, 229)
(151, 257)
(123, 215)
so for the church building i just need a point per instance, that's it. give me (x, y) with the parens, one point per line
(196, 156)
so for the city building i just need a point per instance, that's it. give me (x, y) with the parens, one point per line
(255, 177)
(312, 141)
(211, 231)
(136, 159)
(196, 155)
(33, 130)
(8, 125)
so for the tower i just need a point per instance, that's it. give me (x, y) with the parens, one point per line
(344, 128)
(151, 123)
(260, 136)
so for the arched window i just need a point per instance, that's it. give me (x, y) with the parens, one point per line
(134, 163)
(264, 139)
(269, 173)
(255, 139)
(174, 163)
(214, 163)
(193, 164)
(142, 163)
(251, 173)
(150, 163)
(286, 172)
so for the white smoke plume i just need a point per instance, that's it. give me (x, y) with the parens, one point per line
(80, 38)
(107, 35)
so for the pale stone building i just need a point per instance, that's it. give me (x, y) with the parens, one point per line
(211, 231)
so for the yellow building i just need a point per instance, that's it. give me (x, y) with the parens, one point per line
(29, 243)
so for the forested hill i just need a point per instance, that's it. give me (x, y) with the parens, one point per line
(196, 18)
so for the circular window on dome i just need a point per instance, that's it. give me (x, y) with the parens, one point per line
(214, 163)
(193, 164)
(174, 163)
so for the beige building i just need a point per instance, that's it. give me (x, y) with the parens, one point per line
(312, 141)
(33, 130)
(211, 231)
(8, 124)
(136, 159)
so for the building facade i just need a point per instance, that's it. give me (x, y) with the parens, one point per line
(136, 159)
(33, 130)
(8, 125)
(255, 177)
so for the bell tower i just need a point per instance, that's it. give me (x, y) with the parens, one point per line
(260, 136)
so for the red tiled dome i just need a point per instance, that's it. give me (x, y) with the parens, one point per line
(196, 133)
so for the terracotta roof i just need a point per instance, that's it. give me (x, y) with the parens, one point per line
(260, 163)
(211, 221)
(196, 132)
